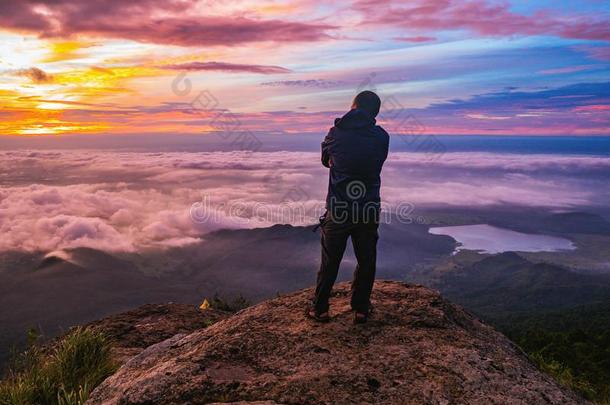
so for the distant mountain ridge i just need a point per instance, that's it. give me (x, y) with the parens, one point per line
(507, 283)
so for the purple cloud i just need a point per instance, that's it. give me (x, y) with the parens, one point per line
(140, 21)
(568, 69)
(599, 53)
(561, 98)
(417, 39)
(227, 67)
(304, 83)
(482, 17)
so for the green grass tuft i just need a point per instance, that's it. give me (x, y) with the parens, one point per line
(63, 374)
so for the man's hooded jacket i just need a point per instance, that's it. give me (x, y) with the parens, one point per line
(354, 150)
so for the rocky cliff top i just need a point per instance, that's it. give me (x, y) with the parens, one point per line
(133, 331)
(417, 348)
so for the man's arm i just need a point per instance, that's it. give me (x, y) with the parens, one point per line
(387, 146)
(326, 144)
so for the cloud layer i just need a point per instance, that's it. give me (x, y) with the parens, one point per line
(447, 60)
(134, 201)
(227, 67)
(483, 18)
(199, 23)
(173, 22)
(35, 74)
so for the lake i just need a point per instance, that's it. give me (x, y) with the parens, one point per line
(491, 239)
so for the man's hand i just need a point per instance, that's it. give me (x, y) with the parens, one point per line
(328, 140)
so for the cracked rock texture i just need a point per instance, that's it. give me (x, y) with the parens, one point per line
(417, 348)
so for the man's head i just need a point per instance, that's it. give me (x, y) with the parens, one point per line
(368, 102)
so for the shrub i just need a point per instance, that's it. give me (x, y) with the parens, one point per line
(63, 374)
(234, 305)
(564, 375)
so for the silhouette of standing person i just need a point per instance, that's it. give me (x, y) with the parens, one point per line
(354, 150)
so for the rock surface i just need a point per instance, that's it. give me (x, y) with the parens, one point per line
(417, 348)
(133, 331)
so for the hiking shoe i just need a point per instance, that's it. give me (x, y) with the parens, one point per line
(362, 317)
(321, 317)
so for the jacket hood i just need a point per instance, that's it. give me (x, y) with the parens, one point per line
(354, 119)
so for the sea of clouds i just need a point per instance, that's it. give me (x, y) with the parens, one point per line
(120, 201)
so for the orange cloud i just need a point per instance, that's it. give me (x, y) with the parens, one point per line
(66, 50)
(35, 74)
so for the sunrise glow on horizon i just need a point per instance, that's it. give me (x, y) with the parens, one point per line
(289, 67)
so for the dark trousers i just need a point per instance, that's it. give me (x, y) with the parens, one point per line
(334, 240)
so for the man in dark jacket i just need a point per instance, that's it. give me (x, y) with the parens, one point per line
(354, 150)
